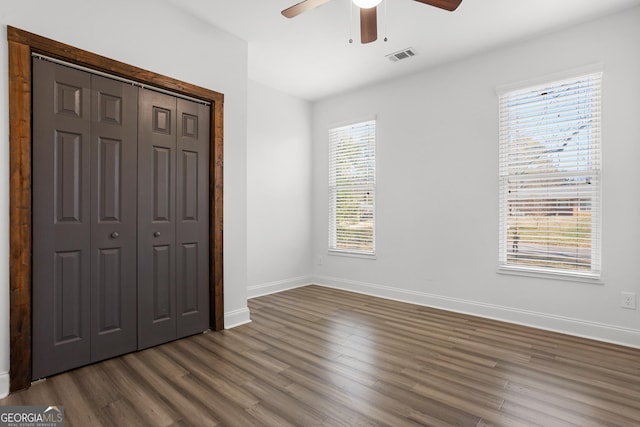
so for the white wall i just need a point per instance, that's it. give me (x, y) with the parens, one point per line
(437, 194)
(278, 191)
(160, 38)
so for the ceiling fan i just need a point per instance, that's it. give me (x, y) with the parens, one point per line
(368, 13)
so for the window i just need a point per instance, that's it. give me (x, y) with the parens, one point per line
(550, 177)
(352, 186)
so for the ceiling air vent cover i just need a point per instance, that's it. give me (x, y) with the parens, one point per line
(402, 54)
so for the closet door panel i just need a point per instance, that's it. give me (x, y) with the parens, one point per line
(162, 284)
(67, 155)
(108, 313)
(156, 219)
(114, 218)
(61, 218)
(188, 280)
(161, 181)
(67, 292)
(192, 228)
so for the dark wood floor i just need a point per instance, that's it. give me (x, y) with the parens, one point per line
(321, 357)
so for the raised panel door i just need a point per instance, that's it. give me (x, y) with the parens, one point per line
(61, 218)
(156, 219)
(114, 218)
(192, 222)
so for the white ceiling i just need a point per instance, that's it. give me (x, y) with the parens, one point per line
(310, 57)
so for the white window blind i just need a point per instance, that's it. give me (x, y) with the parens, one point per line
(550, 159)
(352, 186)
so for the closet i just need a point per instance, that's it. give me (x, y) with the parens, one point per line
(120, 218)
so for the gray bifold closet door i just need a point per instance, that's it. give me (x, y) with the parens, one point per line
(120, 218)
(173, 218)
(84, 218)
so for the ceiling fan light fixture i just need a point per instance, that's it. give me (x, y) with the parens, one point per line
(366, 4)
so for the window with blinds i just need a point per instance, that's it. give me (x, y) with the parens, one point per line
(352, 186)
(550, 160)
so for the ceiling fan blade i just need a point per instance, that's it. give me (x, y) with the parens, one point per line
(449, 5)
(303, 6)
(368, 25)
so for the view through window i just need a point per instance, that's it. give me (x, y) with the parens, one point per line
(352, 180)
(550, 177)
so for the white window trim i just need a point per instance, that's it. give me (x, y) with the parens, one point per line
(592, 279)
(336, 252)
(551, 77)
(550, 273)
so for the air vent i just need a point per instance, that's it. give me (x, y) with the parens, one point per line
(402, 54)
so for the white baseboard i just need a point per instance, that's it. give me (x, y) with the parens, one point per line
(236, 318)
(577, 327)
(4, 384)
(279, 286)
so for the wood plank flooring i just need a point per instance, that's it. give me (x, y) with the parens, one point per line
(322, 357)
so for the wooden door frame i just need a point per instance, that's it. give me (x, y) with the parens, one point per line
(22, 45)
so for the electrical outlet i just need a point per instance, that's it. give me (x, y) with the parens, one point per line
(628, 300)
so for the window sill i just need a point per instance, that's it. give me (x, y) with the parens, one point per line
(553, 275)
(352, 254)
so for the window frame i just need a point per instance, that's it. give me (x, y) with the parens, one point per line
(594, 273)
(370, 186)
